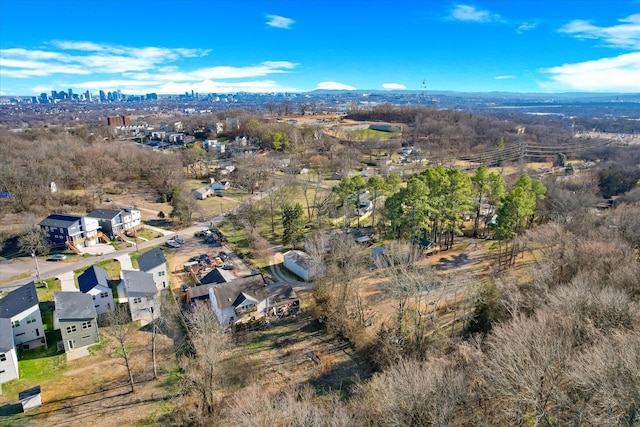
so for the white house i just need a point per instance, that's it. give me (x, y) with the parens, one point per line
(302, 265)
(21, 307)
(95, 282)
(239, 299)
(8, 357)
(154, 262)
(141, 294)
(203, 193)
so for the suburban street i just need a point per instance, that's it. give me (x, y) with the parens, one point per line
(24, 268)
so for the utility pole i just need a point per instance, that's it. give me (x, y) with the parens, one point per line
(35, 259)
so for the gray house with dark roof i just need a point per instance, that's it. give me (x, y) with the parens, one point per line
(75, 316)
(21, 307)
(8, 357)
(114, 221)
(154, 262)
(141, 293)
(95, 282)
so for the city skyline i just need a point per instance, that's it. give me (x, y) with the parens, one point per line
(167, 47)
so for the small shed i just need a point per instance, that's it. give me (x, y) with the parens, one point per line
(302, 265)
(31, 398)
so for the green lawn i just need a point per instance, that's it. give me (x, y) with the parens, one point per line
(145, 233)
(46, 294)
(364, 134)
(35, 366)
(111, 266)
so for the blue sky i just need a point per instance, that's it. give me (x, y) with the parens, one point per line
(164, 46)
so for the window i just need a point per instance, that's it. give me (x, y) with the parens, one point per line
(94, 297)
(104, 295)
(86, 325)
(16, 323)
(31, 319)
(160, 273)
(71, 329)
(137, 300)
(86, 337)
(3, 357)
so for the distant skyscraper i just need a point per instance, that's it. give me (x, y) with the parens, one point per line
(103, 97)
(87, 96)
(70, 94)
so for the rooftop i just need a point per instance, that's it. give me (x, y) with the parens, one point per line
(60, 220)
(151, 259)
(18, 300)
(91, 277)
(303, 259)
(104, 213)
(73, 305)
(139, 282)
(253, 287)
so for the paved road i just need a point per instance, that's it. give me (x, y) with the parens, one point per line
(19, 271)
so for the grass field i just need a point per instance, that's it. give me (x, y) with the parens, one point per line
(111, 266)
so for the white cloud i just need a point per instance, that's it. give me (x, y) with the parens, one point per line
(624, 35)
(504, 77)
(93, 58)
(334, 86)
(278, 21)
(393, 86)
(462, 12)
(617, 74)
(219, 72)
(526, 26)
(135, 69)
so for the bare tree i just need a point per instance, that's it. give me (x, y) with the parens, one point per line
(413, 393)
(120, 329)
(34, 242)
(209, 343)
(291, 407)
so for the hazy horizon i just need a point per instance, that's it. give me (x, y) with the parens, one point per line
(171, 47)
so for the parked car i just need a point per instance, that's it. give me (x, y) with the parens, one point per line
(179, 239)
(204, 232)
(223, 255)
(172, 243)
(227, 266)
(57, 257)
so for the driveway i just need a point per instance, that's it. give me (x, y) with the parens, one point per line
(68, 284)
(125, 262)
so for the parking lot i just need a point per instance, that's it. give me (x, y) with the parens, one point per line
(192, 248)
